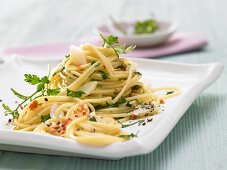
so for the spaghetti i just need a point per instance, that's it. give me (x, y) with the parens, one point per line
(96, 91)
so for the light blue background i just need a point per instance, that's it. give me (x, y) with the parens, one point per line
(199, 141)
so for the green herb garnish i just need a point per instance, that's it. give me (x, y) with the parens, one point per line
(112, 42)
(32, 79)
(67, 55)
(41, 88)
(98, 107)
(20, 96)
(127, 137)
(137, 73)
(44, 118)
(122, 67)
(104, 75)
(75, 93)
(122, 49)
(53, 92)
(169, 92)
(130, 124)
(147, 26)
(93, 119)
(120, 101)
(93, 62)
(128, 104)
(136, 87)
(8, 111)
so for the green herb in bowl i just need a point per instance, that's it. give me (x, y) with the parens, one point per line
(144, 27)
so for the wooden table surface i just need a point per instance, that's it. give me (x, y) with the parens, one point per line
(199, 140)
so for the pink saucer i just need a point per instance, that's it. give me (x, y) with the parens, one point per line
(177, 43)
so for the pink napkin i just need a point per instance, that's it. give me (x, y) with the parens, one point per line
(177, 43)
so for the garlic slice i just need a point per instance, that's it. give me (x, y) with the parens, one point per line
(88, 88)
(76, 56)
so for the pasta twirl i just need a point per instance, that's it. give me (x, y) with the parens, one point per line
(88, 97)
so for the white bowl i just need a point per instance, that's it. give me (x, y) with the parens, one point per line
(166, 29)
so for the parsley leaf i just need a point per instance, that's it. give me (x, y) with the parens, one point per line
(93, 119)
(75, 93)
(130, 124)
(111, 41)
(104, 75)
(127, 137)
(122, 49)
(45, 117)
(40, 87)
(122, 67)
(147, 26)
(53, 92)
(169, 92)
(100, 107)
(93, 62)
(128, 104)
(137, 73)
(21, 96)
(120, 101)
(32, 79)
(8, 111)
(45, 79)
(67, 55)
(136, 87)
(6, 107)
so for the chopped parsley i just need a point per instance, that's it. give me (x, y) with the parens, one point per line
(137, 73)
(122, 49)
(44, 118)
(104, 75)
(93, 62)
(120, 101)
(53, 92)
(130, 124)
(122, 67)
(98, 107)
(127, 137)
(75, 93)
(112, 42)
(147, 26)
(67, 55)
(93, 119)
(169, 92)
(128, 104)
(136, 87)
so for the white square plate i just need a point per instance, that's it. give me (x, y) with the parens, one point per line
(191, 79)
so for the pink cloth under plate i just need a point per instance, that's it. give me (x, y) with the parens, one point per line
(177, 43)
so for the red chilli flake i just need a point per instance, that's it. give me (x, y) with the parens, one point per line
(133, 117)
(33, 105)
(65, 122)
(162, 101)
